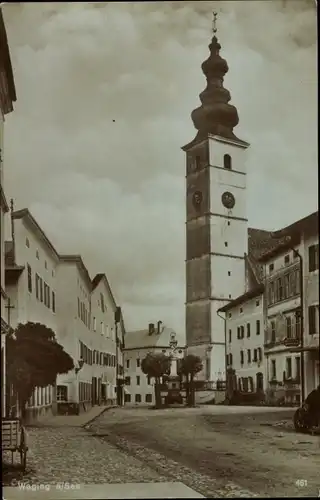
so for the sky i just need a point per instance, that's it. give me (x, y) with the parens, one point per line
(105, 93)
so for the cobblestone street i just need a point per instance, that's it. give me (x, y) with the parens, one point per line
(224, 452)
(220, 451)
(72, 455)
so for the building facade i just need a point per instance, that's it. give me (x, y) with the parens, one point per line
(57, 291)
(31, 284)
(89, 323)
(139, 389)
(7, 98)
(244, 323)
(310, 245)
(108, 325)
(292, 312)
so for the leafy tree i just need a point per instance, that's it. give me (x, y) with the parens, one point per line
(156, 365)
(34, 359)
(190, 365)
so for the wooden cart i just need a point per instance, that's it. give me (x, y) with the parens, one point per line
(14, 439)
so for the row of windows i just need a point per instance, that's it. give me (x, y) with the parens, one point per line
(292, 328)
(288, 372)
(128, 380)
(96, 357)
(137, 361)
(41, 396)
(43, 292)
(284, 287)
(241, 309)
(38, 256)
(137, 398)
(85, 317)
(256, 358)
(227, 162)
(83, 313)
(241, 331)
(286, 261)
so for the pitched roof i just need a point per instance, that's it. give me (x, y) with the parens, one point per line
(95, 282)
(290, 235)
(97, 279)
(259, 241)
(254, 292)
(6, 62)
(140, 339)
(33, 225)
(77, 259)
(263, 245)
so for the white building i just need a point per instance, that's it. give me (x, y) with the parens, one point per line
(107, 326)
(57, 291)
(295, 254)
(244, 323)
(31, 284)
(74, 389)
(7, 98)
(87, 330)
(139, 389)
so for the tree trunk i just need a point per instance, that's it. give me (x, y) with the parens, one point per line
(157, 393)
(189, 394)
(192, 391)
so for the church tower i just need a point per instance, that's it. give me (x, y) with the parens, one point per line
(216, 225)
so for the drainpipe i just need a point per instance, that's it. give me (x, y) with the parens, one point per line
(301, 322)
(225, 347)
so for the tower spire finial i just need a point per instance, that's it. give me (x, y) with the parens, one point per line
(214, 22)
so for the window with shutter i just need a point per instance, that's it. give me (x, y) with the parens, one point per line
(241, 357)
(313, 257)
(312, 320)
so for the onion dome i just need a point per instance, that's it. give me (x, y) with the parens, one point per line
(215, 115)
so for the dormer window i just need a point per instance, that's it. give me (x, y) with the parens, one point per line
(227, 162)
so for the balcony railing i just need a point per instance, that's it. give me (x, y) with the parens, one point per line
(291, 381)
(291, 341)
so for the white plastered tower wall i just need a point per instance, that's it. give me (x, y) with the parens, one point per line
(228, 239)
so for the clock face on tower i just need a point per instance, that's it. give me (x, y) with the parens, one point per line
(228, 200)
(197, 199)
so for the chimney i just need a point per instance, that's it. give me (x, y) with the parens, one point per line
(151, 328)
(158, 327)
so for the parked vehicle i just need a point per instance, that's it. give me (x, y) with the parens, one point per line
(308, 415)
